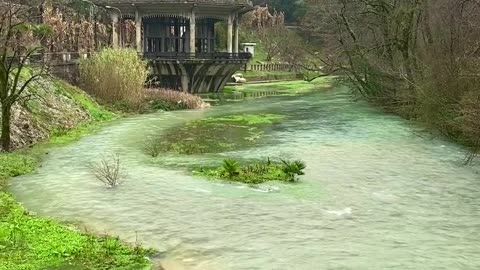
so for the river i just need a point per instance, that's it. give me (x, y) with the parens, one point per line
(378, 192)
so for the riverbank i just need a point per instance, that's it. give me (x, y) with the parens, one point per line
(61, 114)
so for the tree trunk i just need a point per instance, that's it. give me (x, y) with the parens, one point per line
(6, 119)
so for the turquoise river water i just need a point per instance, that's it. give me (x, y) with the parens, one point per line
(378, 193)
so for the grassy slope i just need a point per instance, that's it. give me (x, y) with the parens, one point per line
(31, 242)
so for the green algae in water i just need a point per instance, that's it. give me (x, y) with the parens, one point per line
(217, 134)
(249, 119)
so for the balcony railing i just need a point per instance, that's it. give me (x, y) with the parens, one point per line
(197, 56)
(221, 2)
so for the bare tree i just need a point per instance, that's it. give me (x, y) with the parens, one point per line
(16, 48)
(108, 170)
(416, 57)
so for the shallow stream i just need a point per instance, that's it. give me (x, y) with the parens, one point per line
(378, 192)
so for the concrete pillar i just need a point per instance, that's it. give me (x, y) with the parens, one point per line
(236, 37)
(192, 35)
(138, 31)
(230, 34)
(114, 16)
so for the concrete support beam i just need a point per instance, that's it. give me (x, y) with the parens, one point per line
(230, 34)
(114, 17)
(138, 32)
(192, 32)
(236, 36)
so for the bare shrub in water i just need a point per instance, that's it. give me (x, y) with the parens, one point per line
(116, 76)
(108, 170)
(175, 99)
(152, 147)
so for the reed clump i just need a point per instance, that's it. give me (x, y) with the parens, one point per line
(115, 76)
(168, 100)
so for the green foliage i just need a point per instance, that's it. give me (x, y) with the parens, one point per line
(230, 167)
(294, 9)
(255, 172)
(116, 77)
(42, 30)
(96, 111)
(31, 242)
(162, 105)
(293, 168)
(13, 164)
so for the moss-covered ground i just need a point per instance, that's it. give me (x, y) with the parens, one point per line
(29, 242)
(215, 134)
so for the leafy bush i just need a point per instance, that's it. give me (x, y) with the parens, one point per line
(230, 167)
(116, 76)
(293, 168)
(256, 172)
(12, 165)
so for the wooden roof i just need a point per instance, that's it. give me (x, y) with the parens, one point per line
(220, 2)
(209, 8)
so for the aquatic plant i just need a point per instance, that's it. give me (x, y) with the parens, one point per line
(293, 168)
(108, 171)
(249, 119)
(230, 167)
(255, 172)
(152, 147)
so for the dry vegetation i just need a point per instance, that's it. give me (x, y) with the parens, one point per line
(416, 57)
(115, 76)
(171, 99)
(108, 170)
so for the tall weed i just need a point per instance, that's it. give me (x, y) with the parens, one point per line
(116, 76)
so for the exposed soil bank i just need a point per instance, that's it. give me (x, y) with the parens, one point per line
(54, 107)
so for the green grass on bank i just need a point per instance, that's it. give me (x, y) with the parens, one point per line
(29, 242)
(97, 112)
(24, 161)
(285, 87)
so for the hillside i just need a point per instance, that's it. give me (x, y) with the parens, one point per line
(52, 107)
